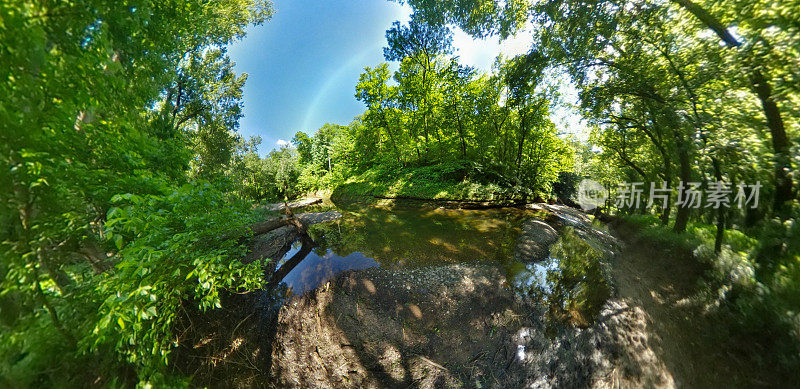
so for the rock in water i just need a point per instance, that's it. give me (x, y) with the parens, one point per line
(534, 241)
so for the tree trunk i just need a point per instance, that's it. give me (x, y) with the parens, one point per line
(25, 209)
(96, 257)
(268, 225)
(51, 310)
(761, 87)
(780, 142)
(523, 131)
(682, 216)
(666, 211)
(720, 211)
(425, 102)
(461, 135)
(632, 165)
(391, 136)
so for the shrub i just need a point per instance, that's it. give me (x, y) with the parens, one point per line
(173, 248)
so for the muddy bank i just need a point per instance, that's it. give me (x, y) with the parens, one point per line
(451, 326)
(557, 322)
(549, 298)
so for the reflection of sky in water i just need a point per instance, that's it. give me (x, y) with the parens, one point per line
(570, 282)
(315, 270)
(535, 274)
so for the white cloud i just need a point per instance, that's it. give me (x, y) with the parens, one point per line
(519, 43)
(403, 13)
(481, 53)
(478, 53)
(281, 143)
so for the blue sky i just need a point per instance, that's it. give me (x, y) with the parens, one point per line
(304, 63)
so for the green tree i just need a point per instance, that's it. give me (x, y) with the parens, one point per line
(80, 124)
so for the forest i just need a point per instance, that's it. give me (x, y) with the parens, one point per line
(131, 195)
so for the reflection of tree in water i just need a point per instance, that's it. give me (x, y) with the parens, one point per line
(307, 245)
(413, 237)
(571, 283)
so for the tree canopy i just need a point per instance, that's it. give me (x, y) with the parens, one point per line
(129, 189)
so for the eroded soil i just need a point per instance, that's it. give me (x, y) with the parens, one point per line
(698, 344)
(463, 325)
(452, 326)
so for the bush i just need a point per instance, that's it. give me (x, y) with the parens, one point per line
(566, 187)
(178, 247)
(449, 180)
(182, 246)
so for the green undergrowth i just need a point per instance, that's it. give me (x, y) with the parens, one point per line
(754, 281)
(696, 235)
(451, 180)
(117, 326)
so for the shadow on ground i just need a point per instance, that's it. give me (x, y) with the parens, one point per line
(452, 326)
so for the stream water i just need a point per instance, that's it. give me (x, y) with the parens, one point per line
(570, 281)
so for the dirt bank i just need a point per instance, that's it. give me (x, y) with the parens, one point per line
(468, 325)
(451, 326)
(699, 344)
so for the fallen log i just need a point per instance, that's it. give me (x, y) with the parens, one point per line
(271, 245)
(300, 221)
(275, 207)
(268, 225)
(271, 239)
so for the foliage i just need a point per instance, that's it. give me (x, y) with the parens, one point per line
(327, 156)
(101, 100)
(207, 108)
(433, 111)
(115, 115)
(680, 91)
(171, 252)
(273, 178)
(449, 180)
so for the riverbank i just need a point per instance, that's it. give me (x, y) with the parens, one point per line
(456, 183)
(452, 326)
(571, 304)
(471, 324)
(703, 344)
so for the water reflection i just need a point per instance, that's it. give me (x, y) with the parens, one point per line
(406, 237)
(315, 269)
(396, 238)
(570, 283)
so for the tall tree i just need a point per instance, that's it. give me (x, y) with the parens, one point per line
(78, 126)
(418, 44)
